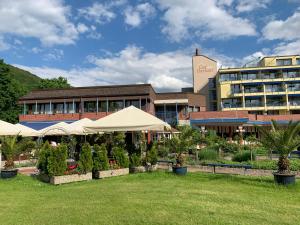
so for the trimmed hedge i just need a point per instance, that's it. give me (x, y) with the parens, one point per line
(100, 159)
(243, 156)
(120, 156)
(57, 163)
(86, 159)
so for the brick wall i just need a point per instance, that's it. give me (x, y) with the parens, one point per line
(216, 114)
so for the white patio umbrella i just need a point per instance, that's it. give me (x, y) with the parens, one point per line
(8, 129)
(58, 129)
(128, 119)
(27, 131)
(77, 127)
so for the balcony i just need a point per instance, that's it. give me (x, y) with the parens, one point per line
(253, 90)
(254, 104)
(276, 103)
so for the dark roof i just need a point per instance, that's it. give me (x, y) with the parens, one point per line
(173, 95)
(81, 92)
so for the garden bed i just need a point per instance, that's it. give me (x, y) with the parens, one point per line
(65, 178)
(111, 173)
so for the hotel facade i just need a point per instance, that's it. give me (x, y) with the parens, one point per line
(226, 100)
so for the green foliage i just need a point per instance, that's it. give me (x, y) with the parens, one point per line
(54, 83)
(57, 163)
(13, 146)
(243, 156)
(44, 154)
(230, 147)
(208, 154)
(151, 155)
(86, 159)
(163, 151)
(120, 156)
(283, 139)
(100, 159)
(135, 160)
(10, 92)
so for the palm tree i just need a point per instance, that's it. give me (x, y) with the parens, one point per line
(284, 139)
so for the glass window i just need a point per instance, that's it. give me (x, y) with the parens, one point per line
(283, 62)
(135, 102)
(90, 106)
(47, 109)
(58, 108)
(298, 61)
(228, 77)
(115, 105)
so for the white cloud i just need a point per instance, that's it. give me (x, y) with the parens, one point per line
(82, 28)
(3, 45)
(135, 16)
(287, 31)
(250, 5)
(54, 55)
(99, 13)
(36, 50)
(283, 29)
(201, 18)
(46, 20)
(167, 71)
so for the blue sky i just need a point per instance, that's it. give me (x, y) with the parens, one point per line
(124, 41)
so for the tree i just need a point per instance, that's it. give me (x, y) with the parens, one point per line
(10, 92)
(284, 140)
(54, 83)
(86, 159)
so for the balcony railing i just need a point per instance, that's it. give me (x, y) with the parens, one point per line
(237, 105)
(275, 89)
(253, 90)
(275, 103)
(256, 104)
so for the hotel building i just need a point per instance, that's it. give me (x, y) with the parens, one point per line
(226, 100)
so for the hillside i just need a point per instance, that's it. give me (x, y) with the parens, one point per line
(28, 80)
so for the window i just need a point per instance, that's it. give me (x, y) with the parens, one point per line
(58, 108)
(289, 74)
(90, 106)
(248, 76)
(231, 103)
(283, 62)
(253, 103)
(115, 105)
(135, 102)
(235, 88)
(298, 61)
(228, 77)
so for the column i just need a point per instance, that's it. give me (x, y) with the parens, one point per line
(35, 111)
(24, 113)
(97, 105)
(50, 108)
(106, 105)
(73, 106)
(140, 103)
(123, 103)
(176, 113)
(65, 108)
(165, 113)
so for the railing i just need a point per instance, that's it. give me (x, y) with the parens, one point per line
(253, 90)
(260, 104)
(276, 103)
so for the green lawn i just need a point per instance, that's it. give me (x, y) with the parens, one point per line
(153, 198)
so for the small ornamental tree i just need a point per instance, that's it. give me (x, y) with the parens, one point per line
(57, 163)
(86, 159)
(120, 156)
(135, 160)
(100, 159)
(44, 154)
(151, 155)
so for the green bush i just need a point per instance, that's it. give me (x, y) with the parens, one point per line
(120, 156)
(44, 154)
(85, 159)
(135, 160)
(243, 156)
(151, 155)
(100, 159)
(163, 151)
(56, 163)
(208, 154)
(230, 147)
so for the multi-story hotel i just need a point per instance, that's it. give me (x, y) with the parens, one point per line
(272, 87)
(227, 100)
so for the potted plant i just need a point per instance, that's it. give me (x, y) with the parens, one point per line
(151, 158)
(53, 167)
(11, 147)
(181, 144)
(117, 167)
(283, 139)
(135, 163)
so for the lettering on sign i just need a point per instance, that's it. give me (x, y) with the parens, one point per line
(204, 69)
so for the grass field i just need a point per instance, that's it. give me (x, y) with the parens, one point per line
(155, 198)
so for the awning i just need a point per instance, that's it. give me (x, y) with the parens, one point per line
(128, 119)
(58, 129)
(77, 128)
(26, 131)
(8, 129)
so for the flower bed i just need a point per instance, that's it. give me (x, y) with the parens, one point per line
(111, 173)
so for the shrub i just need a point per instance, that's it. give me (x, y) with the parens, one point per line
(120, 156)
(100, 159)
(151, 155)
(86, 159)
(230, 147)
(56, 163)
(243, 156)
(208, 154)
(135, 160)
(43, 157)
(163, 151)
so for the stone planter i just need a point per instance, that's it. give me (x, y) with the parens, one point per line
(111, 173)
(284, 179)
(65, 178)
(9, 173)
(151, 168)
(137, 169)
